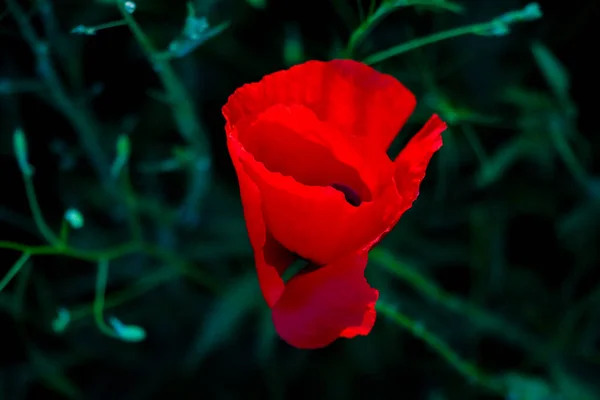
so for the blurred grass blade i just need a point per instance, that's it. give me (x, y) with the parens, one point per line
(462, 366)
(222, 322)
(405, 272)
(499, 162)
(386, 8)
(52, 376)
(572, 386)
(293, 47)
(260, 4)
(554, 72)
(527, 388)
(266, 338)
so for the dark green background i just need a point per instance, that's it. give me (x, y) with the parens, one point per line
(497, 262)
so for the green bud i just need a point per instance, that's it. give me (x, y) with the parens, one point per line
(83, 30)
(74, 218)
(20, 149)
(129, 7)
(62, 320)
(123, 153)
(127, 333)
(530, 12)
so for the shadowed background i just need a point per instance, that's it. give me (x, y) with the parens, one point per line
(489, 285)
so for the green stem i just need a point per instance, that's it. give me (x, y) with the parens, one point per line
(139, 288)
(107, 25)
(135, 224)
(14, 270)
(436, 37)
(183, 111)
(483, 319)
(361, 11)
(36, 212)
(365, 27)
(184, 268)
(84, 255)
(499, 26)
(101, 281)
(382, 11)
(64, 233)
(465, 368)
(79, 116)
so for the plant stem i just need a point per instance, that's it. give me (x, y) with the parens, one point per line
(101, 281)
(420, 42)
(465, 368)
(14, 270)
(498, 26)
(77, 115)
(382, 11)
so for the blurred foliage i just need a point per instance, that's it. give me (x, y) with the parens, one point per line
(126, 269)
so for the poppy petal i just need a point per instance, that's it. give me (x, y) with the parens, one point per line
(270, 257)
(320, 306)
(291, 140)
(352, 97)
(318, 223)
(413, 160)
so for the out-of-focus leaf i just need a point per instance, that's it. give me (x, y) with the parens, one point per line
(436, 395)
(222, 321)
(522, 387)
(196, 31)
(266, 342)
(454, 113)
(293, 48)
(559, 131)
(580, 219)
(52, 376)
(554, 72)
(257, 3)
(527, 98)
(499, 162)
(8, 305)
(571, 387)
(266, 338)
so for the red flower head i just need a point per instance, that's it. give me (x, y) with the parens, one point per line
(309, 148)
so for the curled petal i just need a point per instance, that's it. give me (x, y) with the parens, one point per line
(270, 257)
(350, 96)
(318, 223)
(320, 306)
(291, 140)
(413, 160)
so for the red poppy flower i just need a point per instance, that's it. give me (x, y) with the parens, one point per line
(309, 148)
